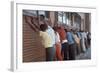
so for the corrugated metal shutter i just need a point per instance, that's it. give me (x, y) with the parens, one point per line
(32, 48)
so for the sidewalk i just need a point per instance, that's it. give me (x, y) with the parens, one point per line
(86, 55)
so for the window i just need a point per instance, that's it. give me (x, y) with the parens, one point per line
(36, 13)
(30, 12)
(62, 17)
(47, 14)
(41, 13)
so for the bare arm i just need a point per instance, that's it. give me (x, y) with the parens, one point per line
(28, 20)
(35, 21)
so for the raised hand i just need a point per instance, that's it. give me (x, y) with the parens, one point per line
(30, 23)
(28, 19)
(36, 22)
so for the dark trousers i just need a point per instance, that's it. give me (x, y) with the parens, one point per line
(50, 53)
(81, 46)
(65, 50)
(89, 42)
(86, 43)
(72, 54)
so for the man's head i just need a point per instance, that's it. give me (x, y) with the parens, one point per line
(55, 28)
(43, 27)
(42, 17)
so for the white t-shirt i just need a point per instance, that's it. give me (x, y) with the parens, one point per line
(57, 37)
(51, 33)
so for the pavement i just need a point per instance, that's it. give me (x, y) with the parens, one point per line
(85, 55)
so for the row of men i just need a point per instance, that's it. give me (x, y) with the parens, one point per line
(62, 43)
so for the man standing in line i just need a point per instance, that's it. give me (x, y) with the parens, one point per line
(51, 33)
(64, 42)
(72, 46)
